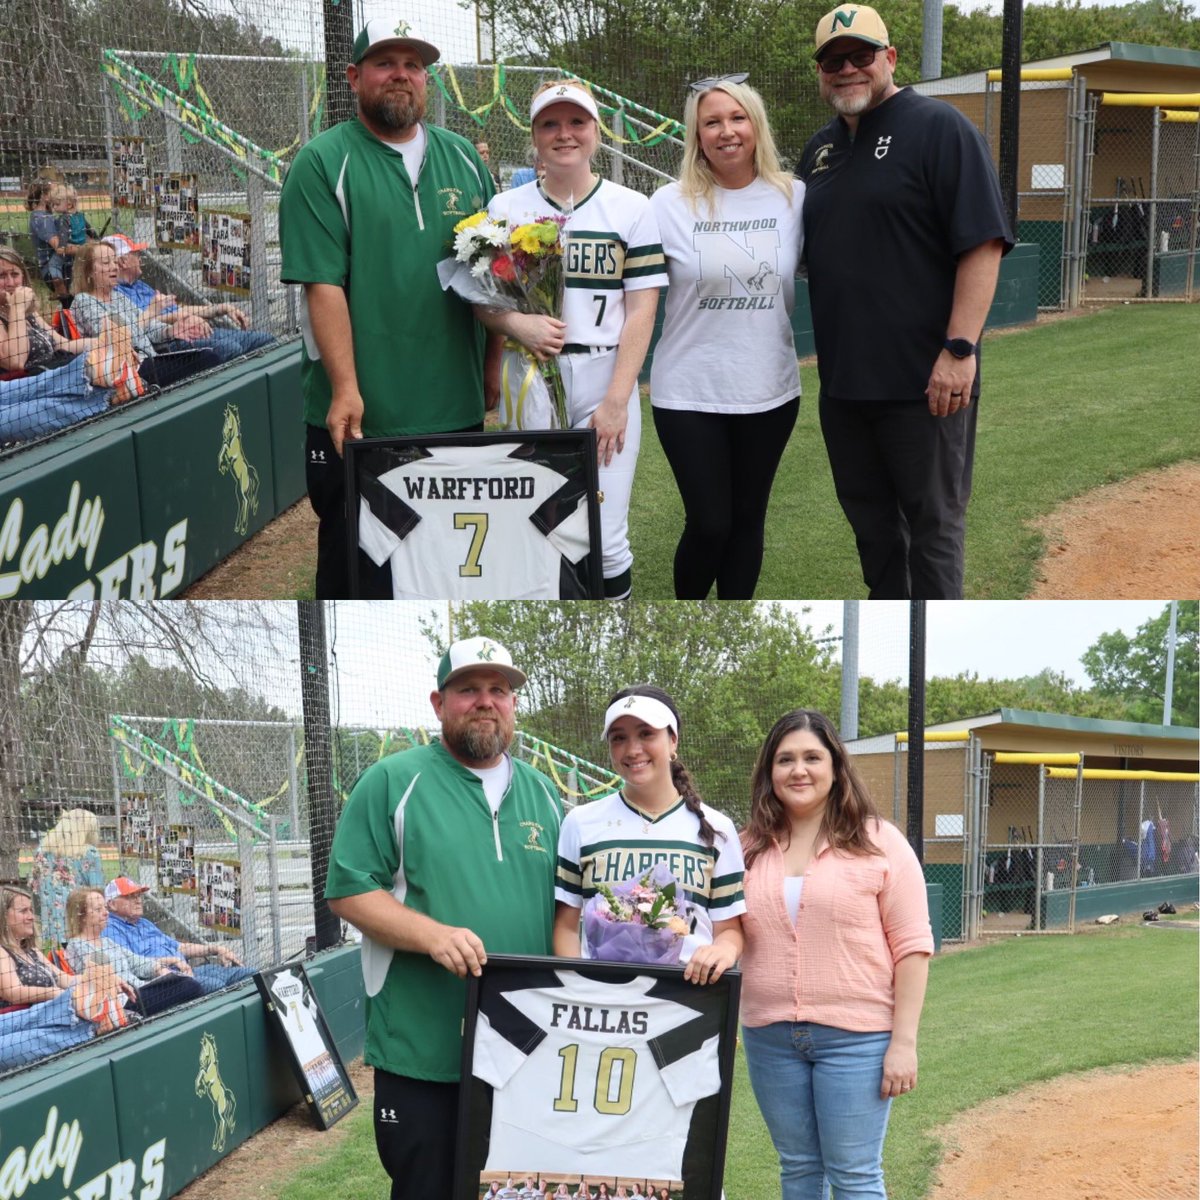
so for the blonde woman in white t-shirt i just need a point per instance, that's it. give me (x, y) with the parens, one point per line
(724, 382)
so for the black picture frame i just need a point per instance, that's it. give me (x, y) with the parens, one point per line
(502, 1040)
(295, 1012)
(475, 536)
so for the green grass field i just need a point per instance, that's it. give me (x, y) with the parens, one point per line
(996, 1019)
(1066, 407)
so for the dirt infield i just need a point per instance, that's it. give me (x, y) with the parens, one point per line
(1103, 1135)
(1133, 539)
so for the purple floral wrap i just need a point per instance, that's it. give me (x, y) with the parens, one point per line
(626, 942)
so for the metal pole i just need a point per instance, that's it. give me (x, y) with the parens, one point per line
(916, 728)
(1141, 817)
(293, 784)
(1079, 124)
(849, 670)
(260, 302)
(1075, 847)
(1040, 866)
(1010, 107)
(1152, 219)
(931, 40)
(338, 20)
(896, 783)
(318, 759)
(1169, 686)
(273, 882)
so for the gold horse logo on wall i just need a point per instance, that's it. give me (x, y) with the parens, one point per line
(210, 1083)
(232, 458)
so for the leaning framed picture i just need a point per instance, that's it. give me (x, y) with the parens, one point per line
(481, 516)
(577, 1073)
(293, 1008)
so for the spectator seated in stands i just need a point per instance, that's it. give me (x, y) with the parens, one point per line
(44, 202)
(160, 982)
(27, 343)
(129, 928)
(36, 405)
(190, 324)
(44, 1010)
(96, 298)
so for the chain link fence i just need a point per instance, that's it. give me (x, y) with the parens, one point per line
(1051, 828)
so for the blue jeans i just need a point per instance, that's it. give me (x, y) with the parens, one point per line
(818, 1089)
(224, 343)
(41, 1030)
(48, 401)
(212, 978)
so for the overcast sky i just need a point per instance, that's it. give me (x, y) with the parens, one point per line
(385, 675)
(452, 29)
(1002, 639)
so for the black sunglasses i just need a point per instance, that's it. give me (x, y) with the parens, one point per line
(831, 64)
(704, 85)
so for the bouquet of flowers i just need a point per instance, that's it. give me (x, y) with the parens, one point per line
(640, 921)
(519, 268)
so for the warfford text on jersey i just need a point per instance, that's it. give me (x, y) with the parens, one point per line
(599, 1020)
(469, 487)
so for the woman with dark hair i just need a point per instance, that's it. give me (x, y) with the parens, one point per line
(836, 961)
(656, 816)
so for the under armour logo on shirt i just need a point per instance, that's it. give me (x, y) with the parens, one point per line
(882, 146)
(317, 456)
(388, 1115)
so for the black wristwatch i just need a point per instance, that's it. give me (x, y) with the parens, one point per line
(959, 347)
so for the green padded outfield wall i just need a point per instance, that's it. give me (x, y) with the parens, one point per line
(142, 1113)
(144, 501)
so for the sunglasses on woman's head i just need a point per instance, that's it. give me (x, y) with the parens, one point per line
(831, 64)
(703, 85)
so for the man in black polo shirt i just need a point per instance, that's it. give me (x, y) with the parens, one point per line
(904, 228)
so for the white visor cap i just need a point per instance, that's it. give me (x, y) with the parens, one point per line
(654, 712)
(565, 93)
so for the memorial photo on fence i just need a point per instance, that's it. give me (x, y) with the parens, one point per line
(176, 858)
(318, 1066)
(596, 1071)
(477, 516)
(225, 250)
(131, 176)
(137, 835)
(219, 892)
(176, 211)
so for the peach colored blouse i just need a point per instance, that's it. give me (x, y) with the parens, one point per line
(859, 915)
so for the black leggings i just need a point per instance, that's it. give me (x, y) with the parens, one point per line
(724, 465)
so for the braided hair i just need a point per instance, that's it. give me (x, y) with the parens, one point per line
(680, 777)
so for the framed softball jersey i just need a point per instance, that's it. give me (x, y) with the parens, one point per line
(579, 1071)
(485, 516)
(293, 1008)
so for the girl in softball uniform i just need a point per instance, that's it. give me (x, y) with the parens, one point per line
(613, 270)
(657, 816)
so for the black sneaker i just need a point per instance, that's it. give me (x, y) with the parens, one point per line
(1166, 907)
(1150, 915)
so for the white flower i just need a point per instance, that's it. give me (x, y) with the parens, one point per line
(492, 234)
(465, 245)
(480, 269)
(645, 906)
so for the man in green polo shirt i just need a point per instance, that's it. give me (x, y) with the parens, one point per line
(443, 853)
(368, 210)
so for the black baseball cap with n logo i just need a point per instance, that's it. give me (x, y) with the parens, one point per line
(852, 21)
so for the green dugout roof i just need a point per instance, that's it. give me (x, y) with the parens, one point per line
(1137, 729)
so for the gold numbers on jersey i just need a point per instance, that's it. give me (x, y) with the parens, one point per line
(471, 569)
(624, 1062)
(566, 1093)
(609, 1060)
